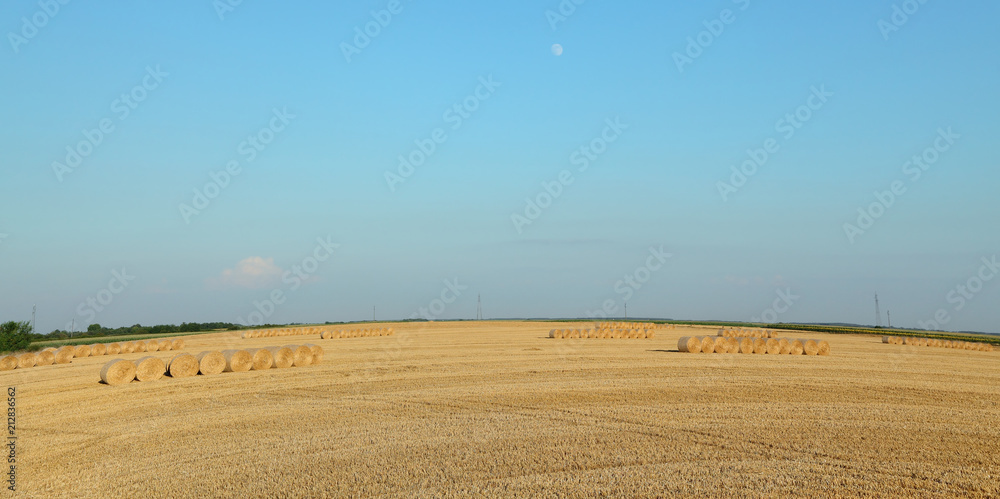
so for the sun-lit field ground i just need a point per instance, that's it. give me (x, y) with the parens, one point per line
(496, 408)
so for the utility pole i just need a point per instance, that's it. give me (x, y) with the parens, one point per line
(72, 328)
(889, 317)
(373, 313)
(33, 307)
(479, 307)
(878, 315)
(626, 310)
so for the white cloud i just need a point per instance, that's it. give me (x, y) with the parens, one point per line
(253, 273)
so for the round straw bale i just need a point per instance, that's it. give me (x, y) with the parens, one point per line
(552, 333)
(317, 352)
(301, 354)
(391, 332)
(759, 345)
(650, 334)
(691, 344)
(81, 351)
(824, 347)
(128, 346)
(283, 356)
(183, 366)
(886, 339)
(244, 335)
(45, 358)
(722, 332)
(149, 369)
(784, 345)
(795, 347)
(262, 359)
(721, 345)
(746, 345)
(152, 345)
(640, 334)
(810, 347)
(8, 362)
(177, 344)
(707, 344)
(65, 355)
(165, 345)
(98, 349)
(211, 362)
(732, 345)
(25, 360)
(139, 346)
(326, 335)
(237, 361)
(118, 372)
(773, 346)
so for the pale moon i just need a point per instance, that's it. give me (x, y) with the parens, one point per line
(557, 49)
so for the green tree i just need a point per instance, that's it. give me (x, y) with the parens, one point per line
(14, 336)
(94, 328)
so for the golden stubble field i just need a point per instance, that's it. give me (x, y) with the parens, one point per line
(498, 409)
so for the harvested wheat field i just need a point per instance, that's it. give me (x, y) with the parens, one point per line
(500, 409)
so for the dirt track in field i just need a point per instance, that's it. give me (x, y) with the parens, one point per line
(496, 408)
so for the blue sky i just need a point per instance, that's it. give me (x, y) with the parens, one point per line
(201, 84)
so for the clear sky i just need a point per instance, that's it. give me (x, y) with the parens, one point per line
(624, 138)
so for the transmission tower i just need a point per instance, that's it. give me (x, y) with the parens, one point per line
(33, 307)
(889, 317)
(878, 315)
(479, 307)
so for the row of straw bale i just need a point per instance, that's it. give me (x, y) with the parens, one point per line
(772, 346)
(121, 371)
(935, 342)
(603, 334)
(632, 325)
(66, 354)
(299, 331)
(357, 333)
(741, 332)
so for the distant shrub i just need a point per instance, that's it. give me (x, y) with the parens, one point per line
(14, 336)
